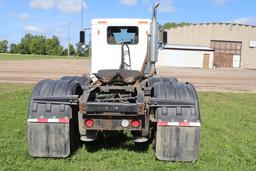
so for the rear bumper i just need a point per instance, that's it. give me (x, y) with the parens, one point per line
(114, 122)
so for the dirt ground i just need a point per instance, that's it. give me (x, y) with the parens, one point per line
(222, 79)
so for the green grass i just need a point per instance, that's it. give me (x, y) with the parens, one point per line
(228, 138)
(7, 56)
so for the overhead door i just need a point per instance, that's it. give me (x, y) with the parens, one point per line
(224, 52)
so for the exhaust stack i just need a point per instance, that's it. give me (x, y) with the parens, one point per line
(153, 51)
(150, 69)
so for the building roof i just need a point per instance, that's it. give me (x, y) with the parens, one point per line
(228, 24)
(182, 47)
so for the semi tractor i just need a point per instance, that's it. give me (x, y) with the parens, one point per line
(122, 93)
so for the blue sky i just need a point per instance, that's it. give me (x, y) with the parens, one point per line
(52, 17)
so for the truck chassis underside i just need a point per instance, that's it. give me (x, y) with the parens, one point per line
(164, 105)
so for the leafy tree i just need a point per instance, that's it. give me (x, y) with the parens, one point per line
(37, 45)
(82, 50)
(3, 46)
(64, 52)
(14, 48)
(53, 46)
(170, 25)
(24, 45)
(72, 50)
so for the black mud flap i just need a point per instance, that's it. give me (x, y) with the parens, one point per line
(175, 143)
(53, 127)
(49, 139)
(178, 122)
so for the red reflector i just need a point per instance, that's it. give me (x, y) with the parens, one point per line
(42, 120)
(135, 123)
(162, 123)
(89, 122)
(143, 22)
(64, 120)
(102, 22)
(184, 123)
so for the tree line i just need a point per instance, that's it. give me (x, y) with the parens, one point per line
(170, 25)
(41, 45)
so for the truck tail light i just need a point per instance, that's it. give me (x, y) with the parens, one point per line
(125, 123)
(135, 123)
(88, 123)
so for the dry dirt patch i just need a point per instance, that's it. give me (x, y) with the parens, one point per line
(223, 79)
(31, 71)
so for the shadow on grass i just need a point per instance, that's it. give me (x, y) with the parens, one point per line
(117, 141)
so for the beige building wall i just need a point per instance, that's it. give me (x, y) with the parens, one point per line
(202, 34)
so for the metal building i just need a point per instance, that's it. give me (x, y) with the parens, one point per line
(186, 56)
(234, 44)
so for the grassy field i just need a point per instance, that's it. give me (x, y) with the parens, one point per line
(7, 56)
(228, 139)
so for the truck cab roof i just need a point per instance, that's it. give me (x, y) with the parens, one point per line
(120, 21)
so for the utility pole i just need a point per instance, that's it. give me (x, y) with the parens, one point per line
(82, 14)
(68, 39)
(80, 47)
(85, 30)
(90, 46)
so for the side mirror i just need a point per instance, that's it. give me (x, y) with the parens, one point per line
(82, 37)
(163, 37)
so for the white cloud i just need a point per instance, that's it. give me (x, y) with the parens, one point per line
(245, 20)
(167, 6)
(34, 29)
(62, 5)
(69, 5)
(42, 4)
(129, 2)
(23, 16)
(220, 2)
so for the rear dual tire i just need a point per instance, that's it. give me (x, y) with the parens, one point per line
(176, 143)
(53, 139)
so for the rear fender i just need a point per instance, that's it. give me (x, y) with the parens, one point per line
(51, 88)
(53, 128)
(183, 104)
(178, 124)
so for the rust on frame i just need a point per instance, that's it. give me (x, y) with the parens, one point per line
(82, 108)
(141, 109)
